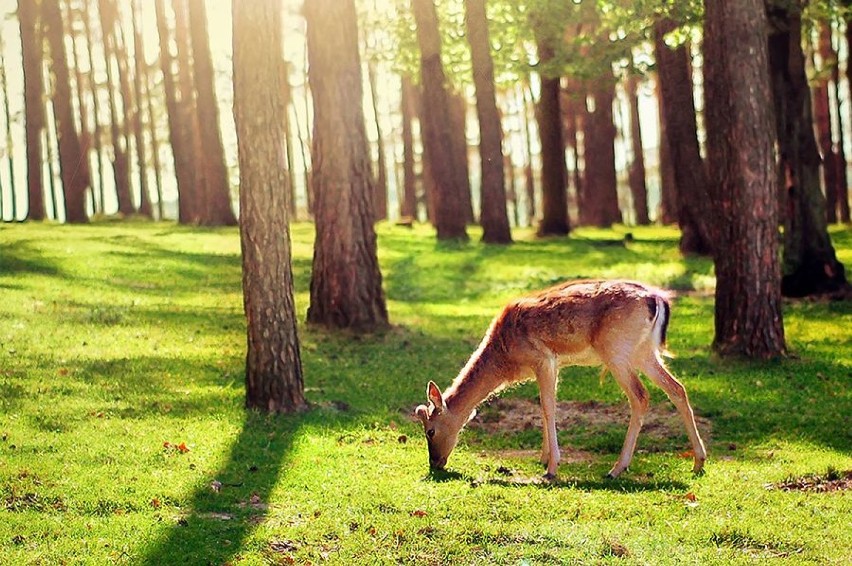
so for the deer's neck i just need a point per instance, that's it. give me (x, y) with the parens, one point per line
(485, 373)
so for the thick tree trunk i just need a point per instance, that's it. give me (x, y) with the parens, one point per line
(554, 197)
(636, 176)
(450, 213)
(346, 284)
(273, 364)
(31, 49)
(600, 183)
(216, 209)
(810, 264)
(408, 203)
(493, 217)
(74, 180)
(694, 214)
(741, 159)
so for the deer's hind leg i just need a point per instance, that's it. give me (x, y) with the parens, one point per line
(657, 372)
(638, 397)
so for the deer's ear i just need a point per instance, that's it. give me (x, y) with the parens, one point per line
(422, 413)
(434, 396)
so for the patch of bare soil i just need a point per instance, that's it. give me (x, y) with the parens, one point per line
(832, 480)
(511, 414)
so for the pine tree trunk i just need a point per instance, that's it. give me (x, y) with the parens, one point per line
(346, 284)
(31, 49)
(139, 75)
(100, 201)
(493, 217)
(678, 105)
(636, 176)
(554, 196)
(668, 187)
(600, 184)
(810, 264)
(408, 203)
(74, 181)
(273, 364)
(529, 177)
(10, 148)
(216, 210)
(380, 196)
(741, 160)
(450, 213)
(822, 122)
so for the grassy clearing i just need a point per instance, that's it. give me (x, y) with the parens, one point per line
(118, 339)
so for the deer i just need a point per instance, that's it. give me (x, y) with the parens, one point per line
(619, 325)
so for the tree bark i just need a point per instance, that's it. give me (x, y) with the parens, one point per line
(741, 160)
(139, 74)
(216, 209)
(678, 110)
(380, 194)
(273, 364)
(554, 197)
(96, 123)
(408, 203)
(31, 49)
(810, 264)
(346, 284)
(600, 184)
(668, 187)
(74, 179)
(636, 175)
(493, 217)
(822, 121)
(450, 214)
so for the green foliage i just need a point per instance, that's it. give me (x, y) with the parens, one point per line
(123, 437)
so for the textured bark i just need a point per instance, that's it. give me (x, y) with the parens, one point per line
(408, 203)
(678, 110)
(810, 264)
(636, 176)
(273, 364)
(450, 214)
(554, 197)
(31, 49)
(493, 217)
(600, 183)
(346, 284)
(741, 160)
(822, 121)
(215, 206)
(74, 179)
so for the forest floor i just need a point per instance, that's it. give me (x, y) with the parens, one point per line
(123, 437)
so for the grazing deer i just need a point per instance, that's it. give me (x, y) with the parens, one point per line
(618, 324)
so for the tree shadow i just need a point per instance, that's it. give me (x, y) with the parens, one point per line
(622, 484)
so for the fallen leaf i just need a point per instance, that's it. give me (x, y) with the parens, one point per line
(690, 496)
(155, 503)
(182, 448)
(63, 371)
(418, 513)
(687, 454)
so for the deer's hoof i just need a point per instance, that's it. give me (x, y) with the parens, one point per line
(549, 477)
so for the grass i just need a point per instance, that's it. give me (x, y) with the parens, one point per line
(123, 437)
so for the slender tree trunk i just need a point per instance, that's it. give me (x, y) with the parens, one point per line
(842, 177)
(810, 264)
(822, 121)
(529, 178)
(554, 197)
(217, 210)
(273, 364)
(600, 184)
(74, 179)
(740, 155)
(458, 117)
(380, 197)
(31, 49)
(49, 143)
(493, 217)
(346, 284)
(668, 186)
(287, 95)
(673, 70)
(408, 208)
(139, 74)
(10, 146)
(450, 213)
(97, 134)
(636, 175)
(155, 143)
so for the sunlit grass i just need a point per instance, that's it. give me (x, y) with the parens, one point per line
(118, 339)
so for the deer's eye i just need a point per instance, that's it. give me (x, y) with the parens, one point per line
(430, 433)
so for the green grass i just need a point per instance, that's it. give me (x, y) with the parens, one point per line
(116, 339)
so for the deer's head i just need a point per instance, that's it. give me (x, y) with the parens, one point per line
(440, 425)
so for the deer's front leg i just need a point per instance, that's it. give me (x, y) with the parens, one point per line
(546, 375)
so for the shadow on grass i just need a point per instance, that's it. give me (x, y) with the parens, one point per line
(221, 515)
(603, 483)
(22, 258)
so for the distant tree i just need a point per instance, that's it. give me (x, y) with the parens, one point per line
(493, 216)
(380, 190)
(678, 114)
(450, 214)
(97, 134)
(273, 364)
(215, 210)
(408, 202)
(10, 148)
(554, 219)
(822, 120)
(346, 284)
(74, 179)
(600, 183)
(636, 174)
(810, 264)
(29, 18)
(741, 161)
(668, 187)
(140, 75)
